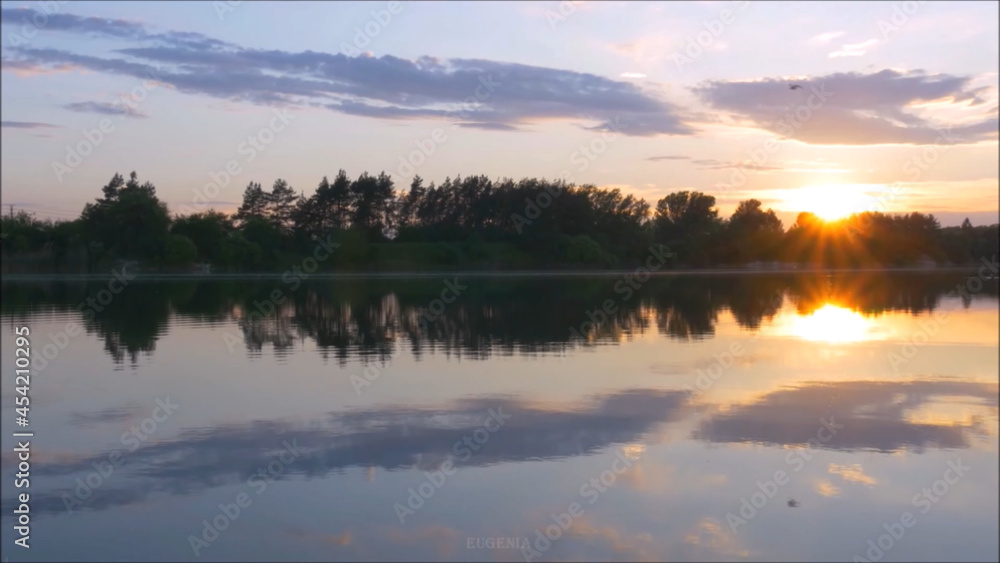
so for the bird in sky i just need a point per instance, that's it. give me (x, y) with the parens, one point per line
(794, 87)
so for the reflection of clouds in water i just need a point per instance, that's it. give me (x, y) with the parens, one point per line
(852, 473)
(391, 438)
(709, 535)
(827, 489)
(874, 415)
(94, 418)
(444, 540)
(635, 547)
(326, 538)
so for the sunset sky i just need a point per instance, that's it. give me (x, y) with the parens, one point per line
(897, 109)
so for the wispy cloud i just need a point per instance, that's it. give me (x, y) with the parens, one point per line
(824, 38)
(713, 164)
(854, 49)
(119, 29)
(26, 125)
(669, 157)
(103, 108)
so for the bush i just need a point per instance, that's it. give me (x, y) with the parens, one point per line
(179, 251)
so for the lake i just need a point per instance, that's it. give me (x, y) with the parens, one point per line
(690, 418)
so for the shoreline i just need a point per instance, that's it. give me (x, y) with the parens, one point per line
(153, 276)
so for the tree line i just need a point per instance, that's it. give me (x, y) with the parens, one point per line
(472, 222)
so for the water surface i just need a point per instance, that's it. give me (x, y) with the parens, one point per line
(328, 407)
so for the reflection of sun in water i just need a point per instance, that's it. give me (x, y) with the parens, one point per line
(834, 324)
(633, 451)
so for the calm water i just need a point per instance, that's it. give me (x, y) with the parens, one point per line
(706, 418)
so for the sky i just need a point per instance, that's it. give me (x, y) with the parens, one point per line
(827, 107)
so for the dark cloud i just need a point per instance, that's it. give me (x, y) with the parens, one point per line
(474, 92)
(72, 23)
(860, 109)
(26, 125)
(104, 108)
(120, 29)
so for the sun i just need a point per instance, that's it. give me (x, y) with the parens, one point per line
(832, 201)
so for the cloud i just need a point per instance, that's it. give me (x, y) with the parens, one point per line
(632, 75)
(824, 38)
(117, 29)
(712, 164)
(72, 23)
(854, 49)
(490, 126)
(26, 125)
(103, 108)
(481, 93)
(669, 157)
(25, 68)
(860, 109)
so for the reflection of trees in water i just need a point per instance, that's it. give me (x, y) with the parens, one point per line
(877, 293)
(526, 316)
